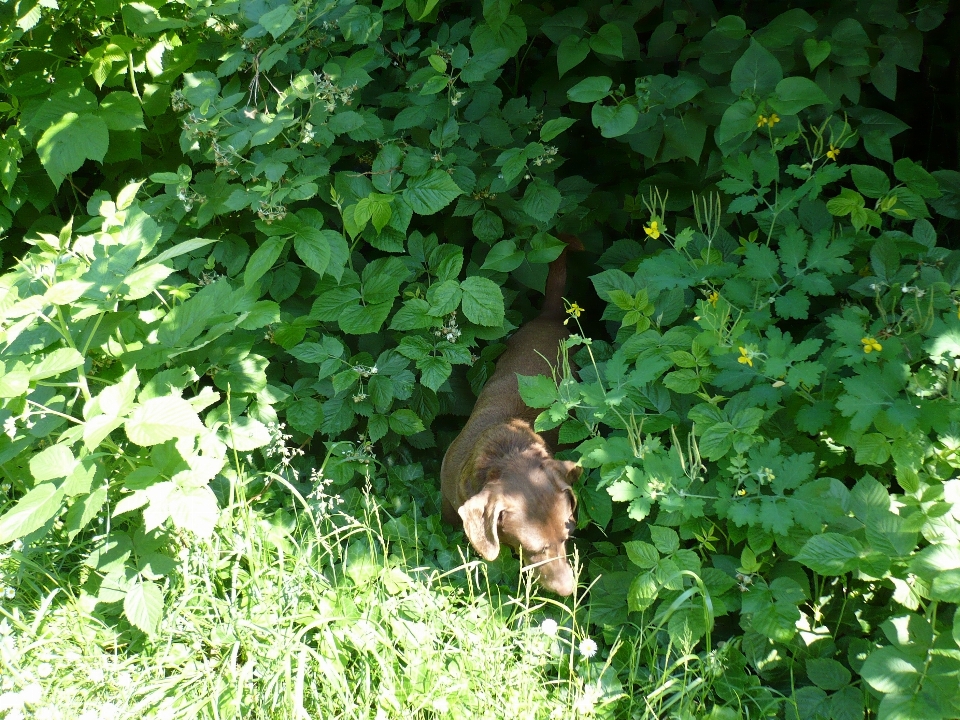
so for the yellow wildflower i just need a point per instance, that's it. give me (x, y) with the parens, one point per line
(870, 344)
(573, 311)
(653, 230)
(761, 121)
(713, 297)
(746, 357)
(773, 120)
(833, 152)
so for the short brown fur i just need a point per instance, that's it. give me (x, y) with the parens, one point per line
(499, 478)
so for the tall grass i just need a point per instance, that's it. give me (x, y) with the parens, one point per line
(293, 610)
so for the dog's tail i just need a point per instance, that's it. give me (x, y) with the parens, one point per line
(557, 280)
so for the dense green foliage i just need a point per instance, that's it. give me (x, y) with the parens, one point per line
(261, 251)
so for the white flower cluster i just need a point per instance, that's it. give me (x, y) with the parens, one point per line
(449, 332)
(329, 93)
(321, 501)
(548, 156)
(278, 444)
(271, 212)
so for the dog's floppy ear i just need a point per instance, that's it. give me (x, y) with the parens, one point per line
(480, 515)
(569, 471)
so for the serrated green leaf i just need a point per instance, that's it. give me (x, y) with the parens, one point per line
(143, 605)
(430, 193)
(482, 301)
(160, 419)
(31, 512)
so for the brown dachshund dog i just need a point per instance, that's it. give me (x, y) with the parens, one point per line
(499, 478)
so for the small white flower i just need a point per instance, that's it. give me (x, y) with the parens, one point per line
(31, 693)
(549, 627)
(109, 711)
(124, 679)
(44, 669)
(588, 647)
(10, 592)
(441, 705)
(96, 675)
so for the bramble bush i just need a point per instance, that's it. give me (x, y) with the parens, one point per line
(256, 248)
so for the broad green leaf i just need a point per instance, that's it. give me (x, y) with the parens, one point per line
(277, 21)
(263, 259)
(871, 181)
(160, 419)
(757, 71)
(482, 301)
(313, 247)
(31, 512)
(642, 554)
(827, 674)
(608, 41)
(552, 128)
(143, 605)
(888, 670)
(430, 193)
(434, 371)
(537, 391)
(830, 553)
(816, 51)
(194, 509)
(571, 52)
(51, 463)
(541, 201)
(405, 422)
(615, 121)
(71, 141)
(794, 94)
(57, 362)
(590, 90)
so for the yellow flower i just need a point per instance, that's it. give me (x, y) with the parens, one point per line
(761, 121)
(773, 120)
(653, 230)
(746, 357)
(713, 297)
(574, 311)
(870, 344)
(833, 152)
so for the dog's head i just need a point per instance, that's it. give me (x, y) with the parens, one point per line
(530, 507)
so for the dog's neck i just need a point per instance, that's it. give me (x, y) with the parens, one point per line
(513, 442)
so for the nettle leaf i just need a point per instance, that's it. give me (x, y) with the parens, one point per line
(430, 193)
(71, 141)
(482, 301)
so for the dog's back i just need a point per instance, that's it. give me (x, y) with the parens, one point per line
(528, 351)
(499, 463)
